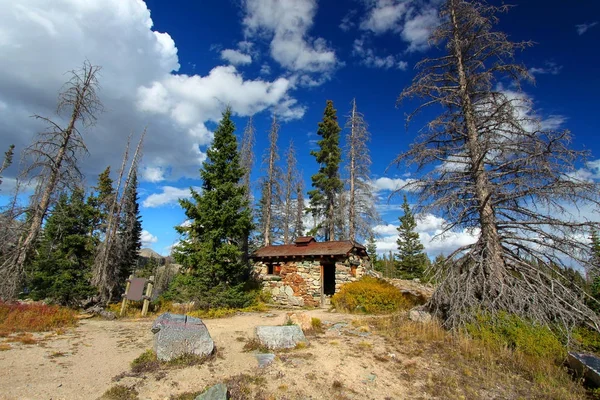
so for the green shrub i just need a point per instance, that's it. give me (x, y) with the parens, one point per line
(370, 295)
(586, 339)
(509, 330)
(188, 287)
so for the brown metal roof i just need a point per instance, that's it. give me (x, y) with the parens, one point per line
(312, 249)
(304, 240)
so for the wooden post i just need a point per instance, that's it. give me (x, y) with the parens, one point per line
(124, 304)
(148, 296)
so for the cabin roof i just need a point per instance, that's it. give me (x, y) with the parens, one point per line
(308, 247)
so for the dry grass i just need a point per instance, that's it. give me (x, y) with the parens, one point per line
(148, 362)
(474, 369)
(120, 392)
(23, 337)
(134, 310)
(5, 346)
(34, 317)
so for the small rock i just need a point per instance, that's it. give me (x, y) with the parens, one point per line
(216, 392)
(303, 320)
(264, 359)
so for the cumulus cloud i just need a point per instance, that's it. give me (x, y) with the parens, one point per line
(286, 24)
(148, 238)
(583, 28)
(235, 57)
(389, 184)
(139, 83)
(168, 196)
(413, 20)
(368, 57)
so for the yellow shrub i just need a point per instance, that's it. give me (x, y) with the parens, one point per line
(370, 296)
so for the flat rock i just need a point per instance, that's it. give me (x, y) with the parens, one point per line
(265, 359)
(216, 392)
(419, 316)
(176, 335)
(280, 337)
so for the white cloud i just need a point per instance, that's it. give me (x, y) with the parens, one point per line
(168, 196)
(550, 68)
(138, 88)
(235, 57)
(413, 20)
(148, 238)
(583, 28)
(389, 184)
(286, 24)
(347, 22)
(370, 59)
(589, 173)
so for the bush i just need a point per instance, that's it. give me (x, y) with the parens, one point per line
(509, 330)
(586, 339)
(371, 296)
(34, 317)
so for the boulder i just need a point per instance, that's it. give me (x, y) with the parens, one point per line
(216, 392)
(303, 320)
(175, 335)
(97, 310)
(280, 337)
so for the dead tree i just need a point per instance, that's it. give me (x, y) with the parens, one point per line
(490, 167)
(289, 185)
(362, 215)
(299, 218)
(247, 156)
(54, 164)
(271, 193)
(8, 157)
(110, 252)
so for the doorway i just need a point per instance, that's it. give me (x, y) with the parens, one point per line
(327, 282)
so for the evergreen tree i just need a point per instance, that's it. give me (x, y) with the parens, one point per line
(131, 230)
(8, 158)
(412, 261)
(327, 184)
(212, 245)
(61, 270)
(102, 201)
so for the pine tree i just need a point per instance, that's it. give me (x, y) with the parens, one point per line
(102, 201)
(131, 230)
(220, 220)
(61, 270)
(412, 261)
(327, 184)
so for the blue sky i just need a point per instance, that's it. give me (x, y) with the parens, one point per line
(173, 66)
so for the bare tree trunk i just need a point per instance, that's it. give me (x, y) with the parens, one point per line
(299, 224)
(271, 182)
(289, 185)
(352, 203)
(493, 261)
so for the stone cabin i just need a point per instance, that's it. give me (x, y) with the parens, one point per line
(307, 272)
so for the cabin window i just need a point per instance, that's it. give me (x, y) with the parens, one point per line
(273, 269)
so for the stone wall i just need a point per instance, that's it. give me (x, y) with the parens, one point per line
(299, 281)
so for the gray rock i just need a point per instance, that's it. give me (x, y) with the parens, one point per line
(175, 335)
(216, 392)
(280, 337)
(264, 359)
(101, 312)
(419, 316)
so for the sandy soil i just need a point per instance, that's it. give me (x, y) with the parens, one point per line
(345, 362)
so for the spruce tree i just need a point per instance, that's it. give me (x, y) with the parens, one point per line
(327, 184)
(131, 230)
(101, 201)
(61, 270)
(412, 261)
(212, 245)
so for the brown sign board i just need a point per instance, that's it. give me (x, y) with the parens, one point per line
(136, 289)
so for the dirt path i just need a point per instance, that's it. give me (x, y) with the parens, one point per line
(346, 362)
